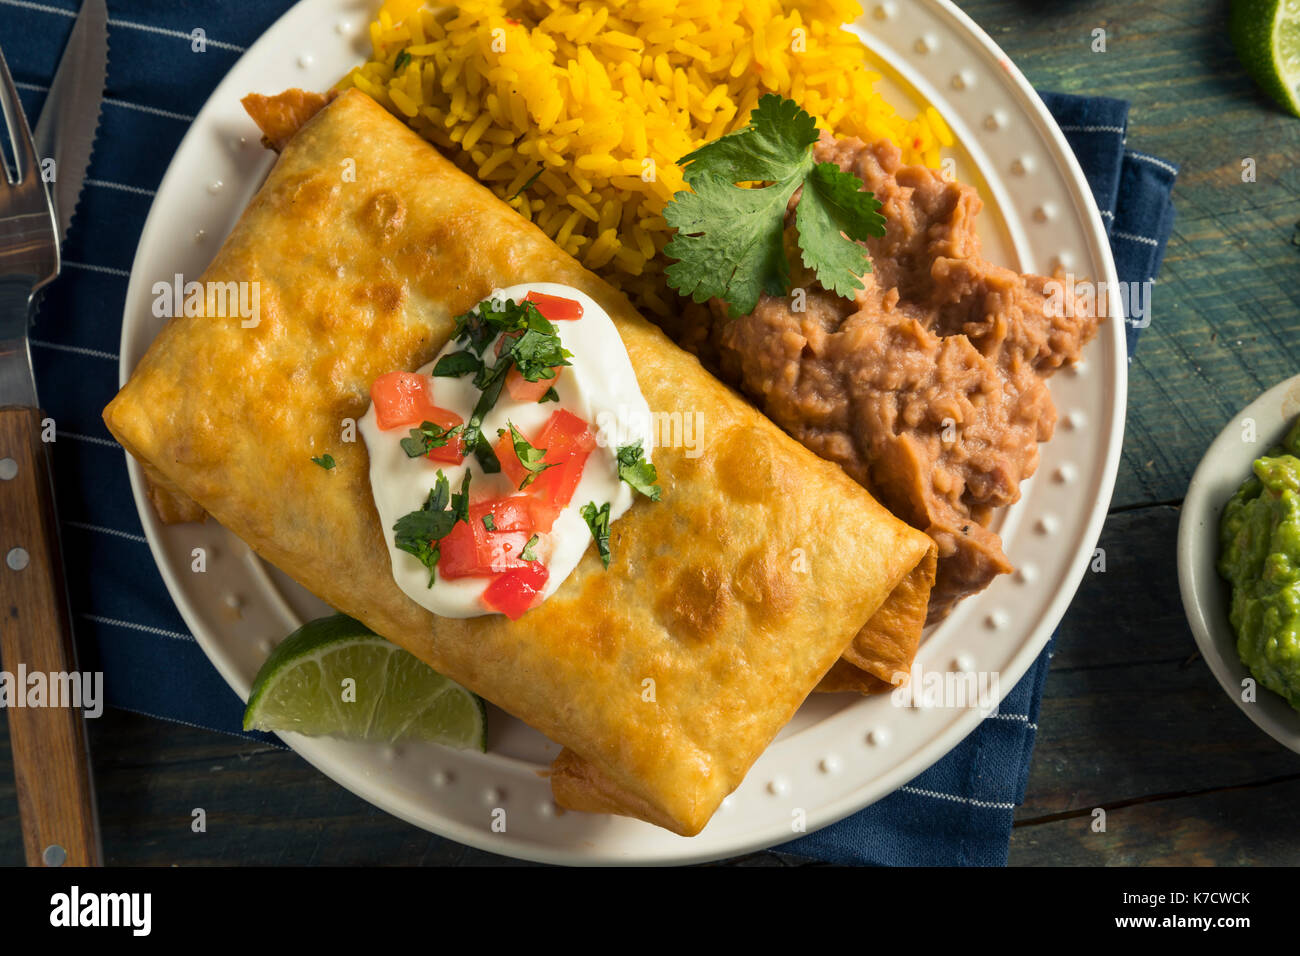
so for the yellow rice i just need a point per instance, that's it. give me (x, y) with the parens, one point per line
(598, 100)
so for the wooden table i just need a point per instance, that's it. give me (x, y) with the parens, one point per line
(1132, 720)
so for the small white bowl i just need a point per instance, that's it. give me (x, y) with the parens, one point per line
(1206, 595)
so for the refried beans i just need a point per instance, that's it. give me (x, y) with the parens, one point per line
(930, 386)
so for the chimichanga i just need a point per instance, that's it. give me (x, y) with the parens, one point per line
(734, 595)
(882, 651)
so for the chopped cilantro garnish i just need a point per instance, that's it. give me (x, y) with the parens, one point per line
(532, 179)
(403, 58)
(426, 526)
(489, 376)
(637, 472)
(439, 494)
(325, 461)
(428, 437)
(481, 448)
(551, 395)
(480, 326)
(534, 349)
(598, 521)
(474, 329)
(419, 532)
(456, 364)
(535, 354)
(460, 500)
(529, 553)
(489, 522)
(529, 457)
(474, 439)
(730, 241)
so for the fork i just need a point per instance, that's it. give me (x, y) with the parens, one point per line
(51, 763)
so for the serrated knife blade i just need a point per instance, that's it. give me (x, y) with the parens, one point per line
(69, 119)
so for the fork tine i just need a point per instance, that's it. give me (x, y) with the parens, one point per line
(20, 136)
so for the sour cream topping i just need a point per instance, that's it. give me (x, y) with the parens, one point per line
(599, 386)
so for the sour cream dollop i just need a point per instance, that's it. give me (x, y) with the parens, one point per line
(598, 386)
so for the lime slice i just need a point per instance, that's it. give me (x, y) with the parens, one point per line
(335, 677)
(1266, 34)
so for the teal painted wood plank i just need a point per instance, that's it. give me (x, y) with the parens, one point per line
(1226, 321)
(1130, 709)
(1239, 826)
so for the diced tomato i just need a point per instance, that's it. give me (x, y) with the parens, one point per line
(404, 398)
(522, 390)
(510, 464)
(471, 550)
(458, 553)
(568, 442)
(449, 453)
(556, 308)
(452, 452)
(522, 513)
(517, 591)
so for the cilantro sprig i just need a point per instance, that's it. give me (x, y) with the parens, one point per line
(531, 345)
(419, 532)
(598, 522)
(456, 364)
(460, 500)
(529, 456)
(730, 241)
(473, 439)
(536, 354)
(427, 437)
(480, 326)
(637, 472)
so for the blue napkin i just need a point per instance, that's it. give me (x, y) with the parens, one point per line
(959, 811)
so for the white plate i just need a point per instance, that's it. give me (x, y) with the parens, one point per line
(839, 753)
(1206, 596)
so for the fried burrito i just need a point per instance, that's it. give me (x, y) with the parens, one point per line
(734, 595)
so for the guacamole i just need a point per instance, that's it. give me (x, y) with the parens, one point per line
(1259, 541)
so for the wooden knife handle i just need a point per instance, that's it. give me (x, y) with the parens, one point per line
(56, 800)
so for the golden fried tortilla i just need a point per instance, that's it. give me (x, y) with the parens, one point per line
(882, 651)
(667, 674)
(886, 647)
(281, 116)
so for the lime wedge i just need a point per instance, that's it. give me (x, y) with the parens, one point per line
(1266, 34)
(335, 677)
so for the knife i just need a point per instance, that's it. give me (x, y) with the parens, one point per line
(69, 119)
(56, 800)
